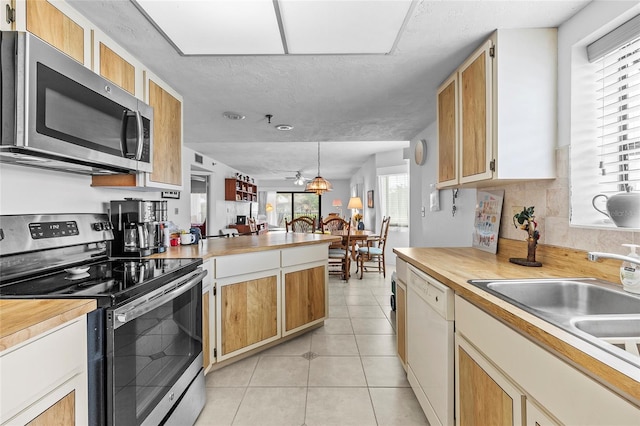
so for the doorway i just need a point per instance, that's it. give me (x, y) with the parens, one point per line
(199, 202)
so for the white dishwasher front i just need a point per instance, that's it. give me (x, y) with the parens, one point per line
(430, 345)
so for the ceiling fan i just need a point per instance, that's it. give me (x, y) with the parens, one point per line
(298, 179)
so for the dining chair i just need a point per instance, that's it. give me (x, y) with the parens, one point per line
(305, 224)
(340, 257)
(333, 223)
(374, 252)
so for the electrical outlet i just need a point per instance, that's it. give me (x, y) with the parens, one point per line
(423, 211)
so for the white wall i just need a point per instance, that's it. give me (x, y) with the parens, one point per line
(366, 178)
(441, 228)
(25, 190)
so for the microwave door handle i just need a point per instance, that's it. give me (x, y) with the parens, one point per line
(140, 136)
(123, 133)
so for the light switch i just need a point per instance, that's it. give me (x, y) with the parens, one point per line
(175, 211)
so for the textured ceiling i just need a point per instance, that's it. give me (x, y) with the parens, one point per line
(338, 98)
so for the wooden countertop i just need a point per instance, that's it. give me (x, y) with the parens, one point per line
(21, 319)
(211, 247)
(455, 266)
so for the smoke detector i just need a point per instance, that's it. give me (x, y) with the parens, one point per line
(284, 127)
(233, 115)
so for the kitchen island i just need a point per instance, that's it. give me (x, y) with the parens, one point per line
(556, 374)
(260, 290)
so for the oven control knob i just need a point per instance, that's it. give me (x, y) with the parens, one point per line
(172, 396)
(98, 226)
(122, 318)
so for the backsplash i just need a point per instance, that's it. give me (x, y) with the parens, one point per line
(551, 201)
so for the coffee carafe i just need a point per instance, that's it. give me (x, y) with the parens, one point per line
(131, 220)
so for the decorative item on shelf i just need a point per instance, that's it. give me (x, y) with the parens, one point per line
(319, 185)
(526, 221)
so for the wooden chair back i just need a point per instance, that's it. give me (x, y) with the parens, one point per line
(253, 226)
(333, 223)
(305, 224)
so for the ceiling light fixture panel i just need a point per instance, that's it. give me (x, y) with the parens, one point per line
(284, 127)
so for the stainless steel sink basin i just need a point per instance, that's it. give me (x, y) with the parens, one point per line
(610, 328)
(597, 311)
(567, 297)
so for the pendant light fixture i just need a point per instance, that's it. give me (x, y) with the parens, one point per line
(319, 185)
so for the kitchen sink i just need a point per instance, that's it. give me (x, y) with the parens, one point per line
(597, 311)
(567, 297)
(610, 328)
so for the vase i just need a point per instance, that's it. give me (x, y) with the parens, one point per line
(531, 249)
(360, 226)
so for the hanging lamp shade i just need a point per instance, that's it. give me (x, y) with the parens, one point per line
(319, 185)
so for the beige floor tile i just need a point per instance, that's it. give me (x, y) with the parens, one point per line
(281, 371)
(377, 344)
(338, 311)
(272, 406)
(298, 346)
(334, 344)
(336, 371)
(337, 300)
(359, 311)
(221, 406)
(361, 299)
(397, 406)
(339, 406)
(335, 326)
(371, 326)
(236, 374)
(384, 371)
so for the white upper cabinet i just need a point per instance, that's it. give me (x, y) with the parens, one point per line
(497, 111)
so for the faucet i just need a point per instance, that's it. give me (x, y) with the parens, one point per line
(595, 255)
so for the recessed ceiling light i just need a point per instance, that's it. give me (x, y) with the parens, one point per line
(284, 127)
(233, 115)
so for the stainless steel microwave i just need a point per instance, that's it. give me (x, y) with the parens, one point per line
(58, 114)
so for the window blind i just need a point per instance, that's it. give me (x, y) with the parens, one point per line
(618, 101)
(395, 198)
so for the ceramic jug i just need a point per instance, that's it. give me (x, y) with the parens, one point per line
(622, 208)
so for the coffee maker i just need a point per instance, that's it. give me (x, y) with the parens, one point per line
(132, 219)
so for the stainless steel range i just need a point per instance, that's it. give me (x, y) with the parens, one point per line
(145, 338)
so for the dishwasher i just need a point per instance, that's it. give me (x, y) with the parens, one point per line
(430, 345)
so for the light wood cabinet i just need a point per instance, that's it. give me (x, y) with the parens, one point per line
(62, 412)
(56, 28)
(44, 379)
(167, 136)
(497, 112)
(543, 389)
(116, 69)
(249, 313)
(447, 118)
(484, 396)
(304, 297)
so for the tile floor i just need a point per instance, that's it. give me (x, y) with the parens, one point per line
(345, 373)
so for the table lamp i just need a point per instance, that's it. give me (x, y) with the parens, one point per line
(338, 205)
(355, 203)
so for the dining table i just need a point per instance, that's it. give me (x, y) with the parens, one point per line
(356, 236)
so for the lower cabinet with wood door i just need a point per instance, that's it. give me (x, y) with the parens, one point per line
(265, 297)
(44, 380)
(401, 310)
(305, 287)
(503, 378)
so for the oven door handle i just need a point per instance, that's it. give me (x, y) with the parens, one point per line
(121, 318)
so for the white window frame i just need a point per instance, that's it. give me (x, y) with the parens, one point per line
(585, 174)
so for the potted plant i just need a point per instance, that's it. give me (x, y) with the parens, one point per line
(525, 220)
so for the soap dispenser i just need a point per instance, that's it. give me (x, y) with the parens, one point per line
(629, 272)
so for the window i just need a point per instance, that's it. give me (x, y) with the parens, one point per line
(394, 198)
(284, 206)
(605, 149)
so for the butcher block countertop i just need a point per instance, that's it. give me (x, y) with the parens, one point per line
(455, 266)
(22, 319)
(212, 247)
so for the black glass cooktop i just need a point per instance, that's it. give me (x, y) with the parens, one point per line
(109, 281)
